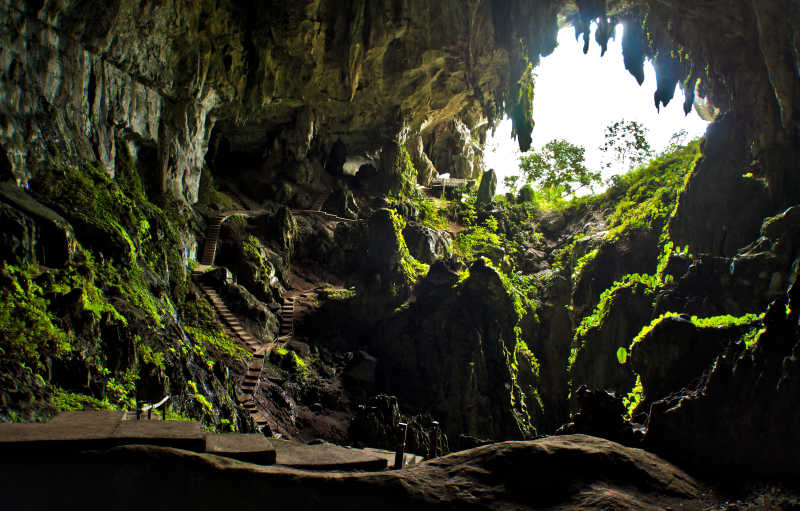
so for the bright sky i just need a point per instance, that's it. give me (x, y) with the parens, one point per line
(576, 96)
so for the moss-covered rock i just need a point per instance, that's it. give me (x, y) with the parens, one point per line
(623, 310)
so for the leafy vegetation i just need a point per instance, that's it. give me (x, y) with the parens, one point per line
(560, 166)
(626, 145)
(646, 285)
(723, 321)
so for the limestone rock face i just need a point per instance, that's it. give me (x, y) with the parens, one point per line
(452, 358)
(161, 77)
(745, 283)
(487, 188)
(755, 391)
(721, 211)
(595, 362)
(637, 252)
(455, 150)
(675, 352)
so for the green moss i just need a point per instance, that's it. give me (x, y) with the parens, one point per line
(723, 321)
(410, 268)
(289, 360)
(204, 402)
(645, 284)
(634, 397)
(405, 174)
(338, 294)
(65, 401)
(30, 331)
(750, 338)
(726, 320)
(583, 261)
(218, 340)
(648, 328)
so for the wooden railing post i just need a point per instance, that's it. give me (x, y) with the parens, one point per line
(434, 438)
(401, 446)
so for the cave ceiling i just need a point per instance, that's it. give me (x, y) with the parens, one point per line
(87, 74)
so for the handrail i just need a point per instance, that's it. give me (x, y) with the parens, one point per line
(150, 406)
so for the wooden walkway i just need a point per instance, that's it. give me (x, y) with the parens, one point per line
(234, 327)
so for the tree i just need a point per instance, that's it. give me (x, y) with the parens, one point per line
(626, 145)
(511, 182)
(558, 167)
(677, 140)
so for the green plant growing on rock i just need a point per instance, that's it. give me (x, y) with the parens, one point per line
(410, 267)
(626, 144)
(559, 168)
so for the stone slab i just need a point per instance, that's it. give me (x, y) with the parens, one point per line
(325, 457)
(95, 430)
(252, 448)
(409, 459)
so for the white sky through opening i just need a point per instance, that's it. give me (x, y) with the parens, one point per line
(576, 96)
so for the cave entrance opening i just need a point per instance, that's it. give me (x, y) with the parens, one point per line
(577, 95)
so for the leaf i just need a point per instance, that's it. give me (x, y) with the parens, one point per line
(622, 355)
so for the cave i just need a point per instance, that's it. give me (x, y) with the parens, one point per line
(235, 212)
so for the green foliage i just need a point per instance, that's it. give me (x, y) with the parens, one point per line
(626, 144)
(634, 397)
(647, 197)
(430, 214)
(30, 332)
(410, 267)
(338, 294)
(217, 339)
(723, 321)
(645, 284)
(558, 166)
(622, 355)
(126, 270)
(64, 401)
(476, 240)
(583, 261)
(750, 338)
(404, 174)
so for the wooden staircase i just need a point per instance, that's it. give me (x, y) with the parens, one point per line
(211, 238)
(286, 316)
(252, 376)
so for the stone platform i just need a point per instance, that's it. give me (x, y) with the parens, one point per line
(74, 432)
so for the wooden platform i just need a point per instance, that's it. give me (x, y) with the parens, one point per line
(251, 448)
(95, 430)
(325, 457)
(74, 432)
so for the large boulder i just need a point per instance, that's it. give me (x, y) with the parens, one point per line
(487, 188)
(425, 243)
(572, 472)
